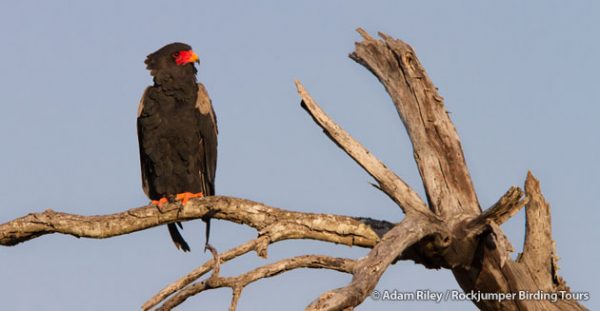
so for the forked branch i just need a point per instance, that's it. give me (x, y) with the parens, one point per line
(238, 283)
(408, 200)
(436, 144)
(369, 270)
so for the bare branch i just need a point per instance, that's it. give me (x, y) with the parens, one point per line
(203, 269)
(273, 225)
(216, 261)
(369, 269)
(324, 227)
(437, 148)
(239, 282)
(237, 292)
(506, 207)
(271, 235)
(388, 181)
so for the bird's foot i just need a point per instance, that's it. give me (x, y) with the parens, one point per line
(160, 202)
(186, 196)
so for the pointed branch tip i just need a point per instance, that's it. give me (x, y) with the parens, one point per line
(383, 35)
(364, 34)
(299, 86)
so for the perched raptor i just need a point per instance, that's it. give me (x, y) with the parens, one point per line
(177, 132)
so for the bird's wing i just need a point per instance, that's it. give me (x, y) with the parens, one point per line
(207, 125)
(141, 105)
(143, 155)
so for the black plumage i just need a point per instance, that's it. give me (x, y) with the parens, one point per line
(177, 130)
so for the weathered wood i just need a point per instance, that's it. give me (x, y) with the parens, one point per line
(408, 200)
(479, 254)
(506, 207)
(369, 269)
(436, 145)
(539, 251)
(239, 282)
(235, 252)
(325, 227)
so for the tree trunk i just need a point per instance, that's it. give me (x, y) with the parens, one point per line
(484, 265)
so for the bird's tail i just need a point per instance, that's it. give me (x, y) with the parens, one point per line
(177, 238)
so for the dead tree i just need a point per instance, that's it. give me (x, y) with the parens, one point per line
(448, 231)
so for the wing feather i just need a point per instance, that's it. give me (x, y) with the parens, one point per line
(207, 125)
(143, 155)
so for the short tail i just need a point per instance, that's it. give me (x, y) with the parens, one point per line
(180, 243)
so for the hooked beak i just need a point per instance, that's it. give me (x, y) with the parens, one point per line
(194, 58)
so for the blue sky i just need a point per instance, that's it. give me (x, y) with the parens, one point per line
(519, 79)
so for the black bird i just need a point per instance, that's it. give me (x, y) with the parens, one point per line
(177, 132)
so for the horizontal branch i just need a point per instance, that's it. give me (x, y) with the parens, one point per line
(388, 181)
(330, 228)
(239, 282)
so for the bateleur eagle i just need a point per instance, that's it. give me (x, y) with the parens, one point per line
(177, 132)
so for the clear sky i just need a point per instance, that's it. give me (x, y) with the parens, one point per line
(520, 80)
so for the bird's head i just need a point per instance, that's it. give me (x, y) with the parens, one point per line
(174, 58)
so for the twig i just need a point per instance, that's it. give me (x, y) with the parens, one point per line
(272, 234)
(216, 269)
(200, 271)
(239, 282)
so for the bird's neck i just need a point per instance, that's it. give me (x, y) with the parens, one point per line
(172, 78)
(183, 90)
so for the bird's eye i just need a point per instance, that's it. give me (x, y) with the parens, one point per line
(176, 54)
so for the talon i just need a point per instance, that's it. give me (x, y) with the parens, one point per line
(186, 196)
(160, 202)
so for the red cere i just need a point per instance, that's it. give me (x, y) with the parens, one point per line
(185, 57)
